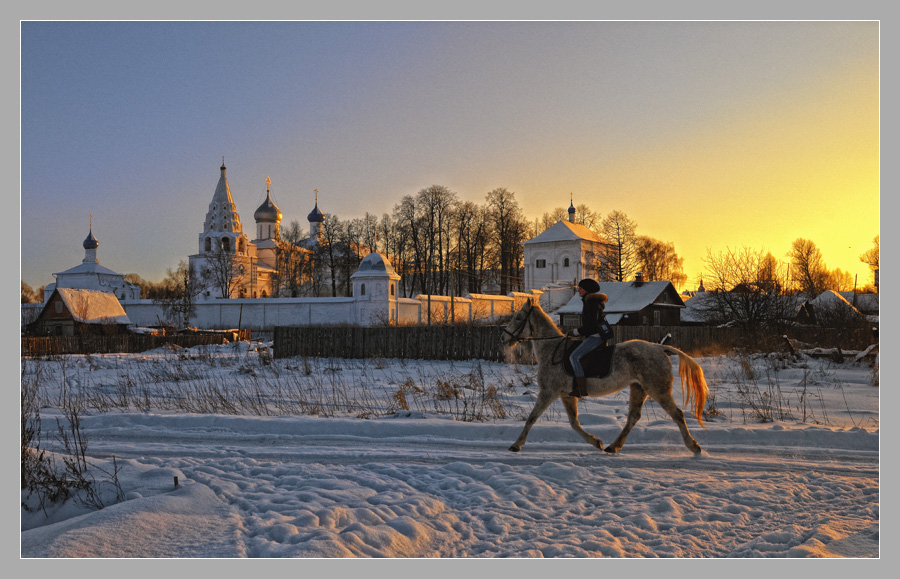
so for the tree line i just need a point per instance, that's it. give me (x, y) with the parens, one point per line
(441, 245)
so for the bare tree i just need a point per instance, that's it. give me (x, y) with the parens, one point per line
(329, 251)
(658, 261)
(225, 271)
(808, 268)
(870, 258)
(180, 305)
(29, 296)
(408, 233)
(590, 219)
(472, 233)
(744, 290)
(620, 231)
(510, 228)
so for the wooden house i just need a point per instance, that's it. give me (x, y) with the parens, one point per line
(70, 312)
(634, 303)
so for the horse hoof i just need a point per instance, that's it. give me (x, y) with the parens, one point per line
(610, 450)
(514, 449)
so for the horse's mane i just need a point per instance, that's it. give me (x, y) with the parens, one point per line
(545, 317)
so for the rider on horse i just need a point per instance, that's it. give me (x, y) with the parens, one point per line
(591, 320)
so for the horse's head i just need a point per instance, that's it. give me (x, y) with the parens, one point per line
(520, 326)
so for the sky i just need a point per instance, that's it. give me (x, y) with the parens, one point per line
(710, 135)
(423, 482)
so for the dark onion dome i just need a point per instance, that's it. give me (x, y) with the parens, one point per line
(316, 216)
(268, 211)
(90, 242)
(571, 208)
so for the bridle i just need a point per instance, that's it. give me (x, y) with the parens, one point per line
(516, 334)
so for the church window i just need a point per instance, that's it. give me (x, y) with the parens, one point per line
(208, 245)
(392, 290)
(540, 263)
(566, 262)
(226, 244)
(362, 289)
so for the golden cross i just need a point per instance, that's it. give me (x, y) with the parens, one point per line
(268, 181)
(317, 196)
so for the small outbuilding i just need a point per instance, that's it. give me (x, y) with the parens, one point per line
(70, 312)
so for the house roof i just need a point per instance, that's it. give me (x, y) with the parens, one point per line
(88, 267)
(567, 231)
(866, 303)
(92, 307)
(625, 297)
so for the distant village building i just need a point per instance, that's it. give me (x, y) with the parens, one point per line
(633, 303)
(70, 312)
(90, 275)
(566, 253)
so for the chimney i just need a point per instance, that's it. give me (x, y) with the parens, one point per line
(638, 279)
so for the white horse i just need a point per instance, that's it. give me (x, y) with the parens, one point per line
(642, 366)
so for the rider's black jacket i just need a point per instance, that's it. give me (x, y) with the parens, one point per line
(592, 313)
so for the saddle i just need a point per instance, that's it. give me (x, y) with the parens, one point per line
(596, 364)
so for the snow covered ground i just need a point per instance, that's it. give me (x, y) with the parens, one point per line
(405, 458)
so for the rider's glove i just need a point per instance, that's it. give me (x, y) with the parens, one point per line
(575, 332)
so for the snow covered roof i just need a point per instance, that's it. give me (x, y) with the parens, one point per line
(89, 267)
(830, 299)
(866, 303)
(567, 231)
(93, 307)
(375, 264)
(624, 297)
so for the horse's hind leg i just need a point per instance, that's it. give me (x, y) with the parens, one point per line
(543, 402)
(668, 404)
(635, 403)
(571, 405)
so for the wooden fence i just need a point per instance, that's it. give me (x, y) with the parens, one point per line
(121, 343)
(422, 342)
(483, 342)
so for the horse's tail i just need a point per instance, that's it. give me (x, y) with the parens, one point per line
(693, 382)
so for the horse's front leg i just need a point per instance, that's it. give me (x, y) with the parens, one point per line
(571, 405)
(545, 399)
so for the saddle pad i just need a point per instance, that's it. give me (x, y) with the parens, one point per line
(596, 364)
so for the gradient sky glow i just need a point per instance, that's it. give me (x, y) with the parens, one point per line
(709, 135)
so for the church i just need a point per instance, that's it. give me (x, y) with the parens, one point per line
(231, 265)
(90, 275)
(565, 253)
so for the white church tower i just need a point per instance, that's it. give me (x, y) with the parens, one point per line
(223, 233)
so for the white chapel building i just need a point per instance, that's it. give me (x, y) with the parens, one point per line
(90, 275)
(565, 253)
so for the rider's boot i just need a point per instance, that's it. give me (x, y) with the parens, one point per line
(579, 387)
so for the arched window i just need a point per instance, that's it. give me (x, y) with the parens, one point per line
(226, 244)
(362, 289)
(392, 290)
(566, 262)
(208, 246)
